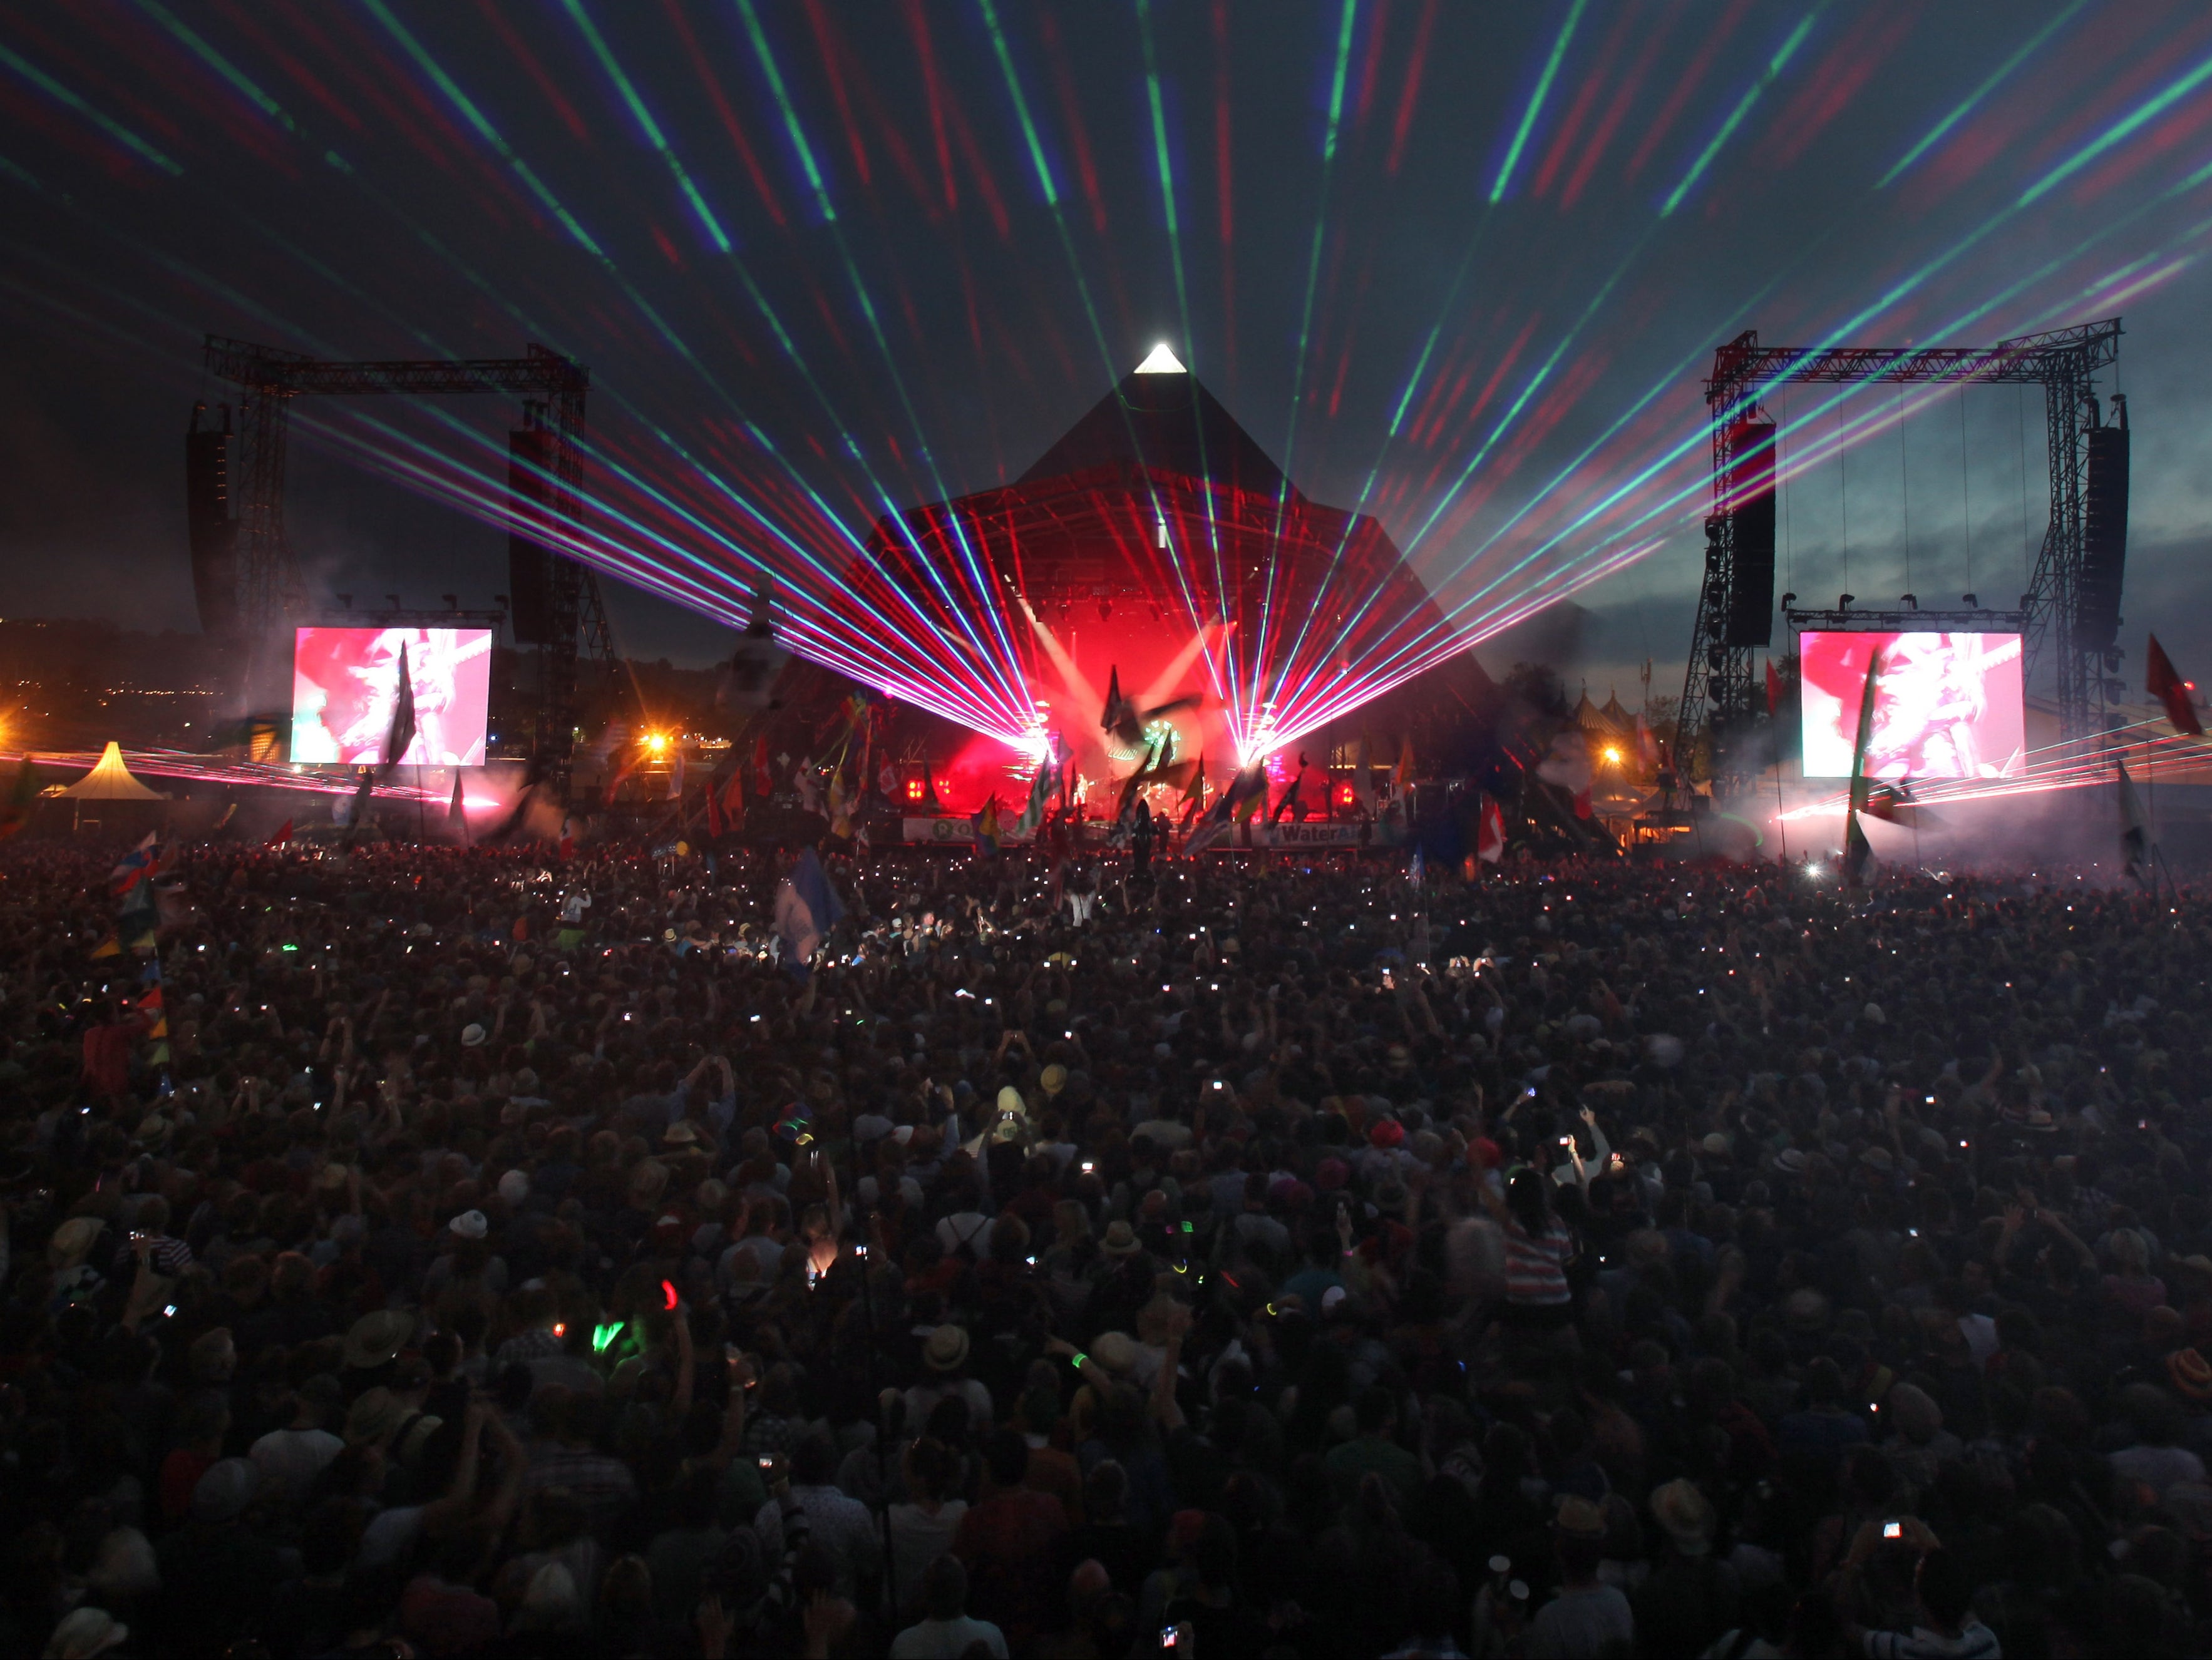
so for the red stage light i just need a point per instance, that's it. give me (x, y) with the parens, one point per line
(1345, 794)
(914, 789)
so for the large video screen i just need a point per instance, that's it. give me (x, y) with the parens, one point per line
(1946, 705)
(344, 682)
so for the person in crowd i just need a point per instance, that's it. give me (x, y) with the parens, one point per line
(1630, 1257)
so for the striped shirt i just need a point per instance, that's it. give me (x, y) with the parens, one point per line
(1535, 1265)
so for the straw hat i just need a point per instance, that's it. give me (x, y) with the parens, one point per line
(946, 1349)
(2191, 1374)
(1120, 1240)
(1687, 1514)
(375, 1340)
(73, 1241)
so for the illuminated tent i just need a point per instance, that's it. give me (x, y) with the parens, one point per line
(109, 780)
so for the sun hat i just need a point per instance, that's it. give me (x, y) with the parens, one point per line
(1687, 1515)
(2191, 1374)
(1053, 1079)
(469, 1225)
(472, 1035)
(515, 1187)
(73, 1240)
(1120, 1240)
(375, 1340)
(373, 1417)
(1009, 1100)
(946, 1349)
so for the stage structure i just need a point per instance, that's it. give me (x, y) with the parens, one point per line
(2070, 613)
(246, 578)
(1156, 542)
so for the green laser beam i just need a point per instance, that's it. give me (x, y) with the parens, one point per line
(1536, 102)
(1775, 65)
(1965, 105)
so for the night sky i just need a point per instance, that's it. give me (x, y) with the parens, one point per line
(1460, 265)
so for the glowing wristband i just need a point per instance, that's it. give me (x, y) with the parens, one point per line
(1077, 1360)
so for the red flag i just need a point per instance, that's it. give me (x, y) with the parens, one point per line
(764, 780)
(714, 813)
(2166, 685)
(1489, 840)
(733, 798)
(1773, 689)
(283, 834)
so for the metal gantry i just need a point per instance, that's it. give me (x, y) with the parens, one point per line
(552, 389)
(1718, 689)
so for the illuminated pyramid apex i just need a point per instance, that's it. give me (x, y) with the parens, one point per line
(1162, 361)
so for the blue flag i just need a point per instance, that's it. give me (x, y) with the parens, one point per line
(806, 908)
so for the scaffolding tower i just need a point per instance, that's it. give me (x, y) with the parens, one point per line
(1718, 689)
(552, 389)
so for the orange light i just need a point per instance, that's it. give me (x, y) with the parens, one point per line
(656, 742)
(1613, 757)
(560, 1328)
(915, 788)
(1345, 794)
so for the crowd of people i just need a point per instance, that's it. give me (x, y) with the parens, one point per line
(445, 1252)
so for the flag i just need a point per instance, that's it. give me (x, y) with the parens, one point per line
(676, 775)
(1041, 787)
(1893, 803)
(985, 826)
(357, 813)
(1582, 803)
(2135, 826)
(137, 867)
(1402, 778)
(137, 910)
(809, 786)
(2170, 689)
(402, 714)
(1490, 839)
(806, 909)
(841, 806)
(1246, 791)
(1773, 689)
(1647, 743)
(734, 797)
(1857, 849)
(713, 814)
(519, 809)
(1418, 869)
(1362, 777)
(283, 834)
(764, 780)
(887, 779)
(21, 795)
(457, 811)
